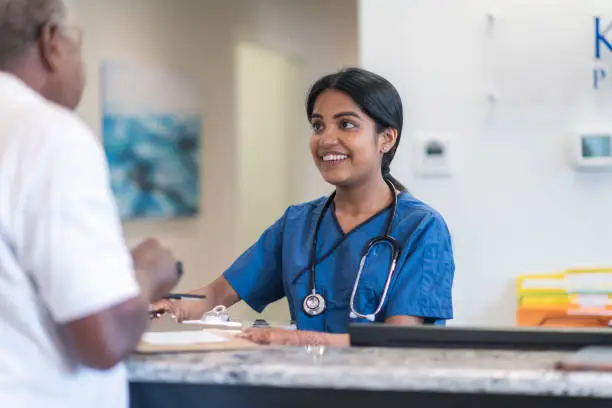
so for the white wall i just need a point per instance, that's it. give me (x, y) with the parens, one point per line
(513, 204)
(198, 37)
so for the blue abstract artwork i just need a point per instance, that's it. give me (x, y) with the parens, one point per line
(151, 131)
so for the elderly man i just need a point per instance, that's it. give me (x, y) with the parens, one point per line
(73, 299)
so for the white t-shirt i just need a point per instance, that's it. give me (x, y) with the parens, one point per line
(62, 253)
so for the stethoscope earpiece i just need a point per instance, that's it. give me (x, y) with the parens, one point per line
(369, 317)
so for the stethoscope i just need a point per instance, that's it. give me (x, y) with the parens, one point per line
(314, 303)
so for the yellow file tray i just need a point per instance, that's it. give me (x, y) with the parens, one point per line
(565, 300)
(593, 280)
(544, 299)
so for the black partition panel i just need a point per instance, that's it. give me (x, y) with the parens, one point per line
(383, 335)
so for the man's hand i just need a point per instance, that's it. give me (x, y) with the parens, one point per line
(156, 269)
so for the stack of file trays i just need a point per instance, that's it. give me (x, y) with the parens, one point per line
(572, 298)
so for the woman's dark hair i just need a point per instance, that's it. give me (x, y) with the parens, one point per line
(376, 96)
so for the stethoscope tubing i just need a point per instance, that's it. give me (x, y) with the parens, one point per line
(386, 239)
(395, 248)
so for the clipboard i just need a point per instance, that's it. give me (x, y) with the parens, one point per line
(593, 358)
(232, 343)
(166, 324)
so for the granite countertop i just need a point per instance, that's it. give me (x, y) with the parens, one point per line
(468, 371)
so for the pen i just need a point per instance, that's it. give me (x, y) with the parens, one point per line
(183, 296)
(179, 269)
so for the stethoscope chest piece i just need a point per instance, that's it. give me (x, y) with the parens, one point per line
(314, 304)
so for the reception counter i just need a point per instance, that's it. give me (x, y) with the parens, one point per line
(362, 377)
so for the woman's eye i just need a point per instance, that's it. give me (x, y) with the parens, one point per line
(317, 126)
(346, 125)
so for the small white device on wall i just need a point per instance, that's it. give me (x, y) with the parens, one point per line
(591, 150)
(432, 156)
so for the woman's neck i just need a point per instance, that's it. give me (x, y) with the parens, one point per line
(365, 199)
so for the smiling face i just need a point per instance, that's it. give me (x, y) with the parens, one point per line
(345, 144)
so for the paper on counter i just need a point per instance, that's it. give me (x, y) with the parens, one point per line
(182, 338)
(212, 323)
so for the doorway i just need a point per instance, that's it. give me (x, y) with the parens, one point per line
(269, 115)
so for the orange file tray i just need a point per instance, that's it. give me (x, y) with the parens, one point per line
(570, 317)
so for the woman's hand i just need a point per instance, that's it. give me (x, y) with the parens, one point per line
(277, 337)
(282, 337)
(180, 310)
(219, 292)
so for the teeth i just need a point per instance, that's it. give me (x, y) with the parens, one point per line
(334, 157)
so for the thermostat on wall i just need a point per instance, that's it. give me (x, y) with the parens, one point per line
(432, 156)
(592, 150)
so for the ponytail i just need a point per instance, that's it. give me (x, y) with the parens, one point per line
(386, 169)
(396, 184)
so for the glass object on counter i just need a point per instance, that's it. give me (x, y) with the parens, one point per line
(220, 317)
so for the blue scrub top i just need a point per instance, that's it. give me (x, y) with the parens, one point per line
(277, 265)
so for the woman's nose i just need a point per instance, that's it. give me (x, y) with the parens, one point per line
(329, 137)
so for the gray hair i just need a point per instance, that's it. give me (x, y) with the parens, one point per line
(20, 22)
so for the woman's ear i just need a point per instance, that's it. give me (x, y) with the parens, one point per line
(388, 139)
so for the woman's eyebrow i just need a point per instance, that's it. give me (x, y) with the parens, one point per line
(341, 114)
(336, 116)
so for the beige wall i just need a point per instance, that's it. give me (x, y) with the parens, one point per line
(265, 132)
(197, 37)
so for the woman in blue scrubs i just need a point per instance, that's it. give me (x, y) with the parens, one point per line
(313, 253)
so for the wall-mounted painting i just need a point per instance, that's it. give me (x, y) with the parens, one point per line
(151, 135)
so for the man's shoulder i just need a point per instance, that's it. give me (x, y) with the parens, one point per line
(48, 135)
(41, 120)
(60, 121)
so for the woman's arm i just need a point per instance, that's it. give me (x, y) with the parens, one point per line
(405, 320)
(255, 277)
(219, 292)
(284, 337)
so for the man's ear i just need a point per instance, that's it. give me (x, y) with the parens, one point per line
(388, 138)
(49, 46)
